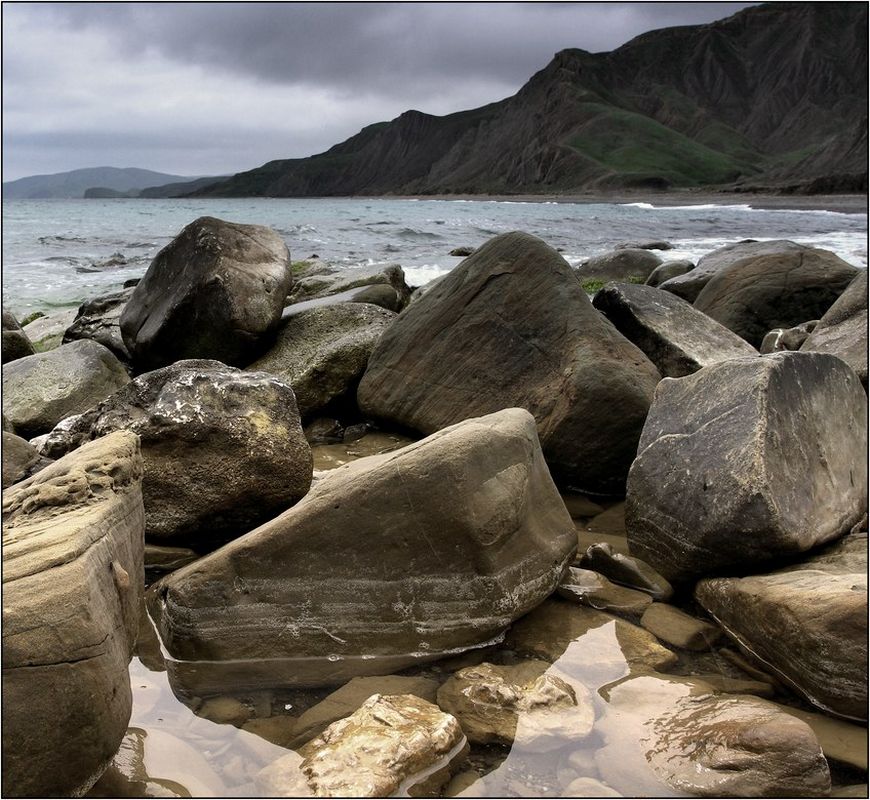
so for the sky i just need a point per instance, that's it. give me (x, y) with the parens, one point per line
(216, 88)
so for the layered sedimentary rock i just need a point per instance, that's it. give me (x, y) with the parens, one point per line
(72, 587)
(223, 449)
(748, 460)
(213, 292)
(388, 560)
(511, 326)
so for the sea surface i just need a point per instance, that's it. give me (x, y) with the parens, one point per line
(58, 253)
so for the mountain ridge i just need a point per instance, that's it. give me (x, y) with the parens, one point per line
(73, 184)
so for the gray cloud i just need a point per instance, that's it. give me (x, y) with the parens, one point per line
(219, 87)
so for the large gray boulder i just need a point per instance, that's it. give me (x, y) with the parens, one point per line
(388, 561)
(323, 352)
(668, 270)
(223, 449)
(842, 331)
(15, 342)
(511, 326)
(100, 319)
(41, 390)
(678, 339)
(325, 281)
(807, 621)
(214, 292)
(20, 459)
(779, 290)
(72, 590)
(748, 460)
(620, 265)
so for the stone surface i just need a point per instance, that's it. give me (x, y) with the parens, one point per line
(330, 281)
(626, 570)
(619, 265)
(807, 622)
(391, 745)
(842, 331)
(223, 449)
(841, 741)
(47, 331)
(323, 352)
(580, 506)
(519, 705)
(786, 338)
(100, 319)
(666, 737)
(610, 521)
(387, 561)
(667, 270)
(15, 342)
(780, 290)
(511, 326)
(748, 460)
(41, 390)
(72, 588)
(213, 292)
(678, 339)
(678, 628)
(591, 589)
(588, 787)
(20, 459)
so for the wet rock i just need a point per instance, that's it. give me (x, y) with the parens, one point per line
(808, 622)
(223, 449)
(588, 787)
(462, 252)
(41, 390)
(345, 701)
(658, 244)
(619, 265)
(15, 342)
(322, 353)
(331, 281)
(374, 443)
(279, 729)
(47, 330)
(842, 331)
(678, 628)
(99, 319)
(722, 683)
(841, 741)
(324, 431)
(626, 571)
(20, 459)
(72, 587)
(460, 782)
(666, 736)
(781, 290)
(668, 270)
(519, 704)
(387, 561)
(224, 711)
(786, 338)
(591, 589)
(392, 743)
(511, 326)
(773, 448)
(678, 339)
(160, 559)
(213, 292)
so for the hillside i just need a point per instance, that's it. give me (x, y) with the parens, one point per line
(775, 96)
(107, 180)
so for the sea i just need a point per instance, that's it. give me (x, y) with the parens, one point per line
(58, 253)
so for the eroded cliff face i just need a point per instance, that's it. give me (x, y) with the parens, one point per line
(775, 96)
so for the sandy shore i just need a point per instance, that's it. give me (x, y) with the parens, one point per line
(844, 203)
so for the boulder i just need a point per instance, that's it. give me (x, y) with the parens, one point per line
(223, 449)
(591, 589)
(619, 265)
(677, 628)
(322, 353)
(669, 737)
(394, 744)
(72, 589)
(20, 459)
(100, 319)
(842, 331)
(214, 292)
(511, 326)
(807, 622)
(658, 244)
(678, 339)
(689, 285)
(46, 331)
(15, 342)
(748, 460)
(626, 570)
(353, 282)
(753, 296)
(462, 252)
(669, 269)
(388, 561)
(786, 338)
(41, 390)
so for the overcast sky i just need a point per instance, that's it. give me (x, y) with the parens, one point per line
(203, 88)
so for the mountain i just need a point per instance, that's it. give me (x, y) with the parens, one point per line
(78, 181)
(774, 96)
(180, 189)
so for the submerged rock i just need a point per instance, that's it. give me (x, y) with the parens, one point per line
(808, 622)
(72, 588)
(213, 292)
(748, 460)
(511, 326)
(678, 339)
(393, 744)
(41, 390)
(15, 342)
(387, 561)
(223, 449)
(100, 319)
